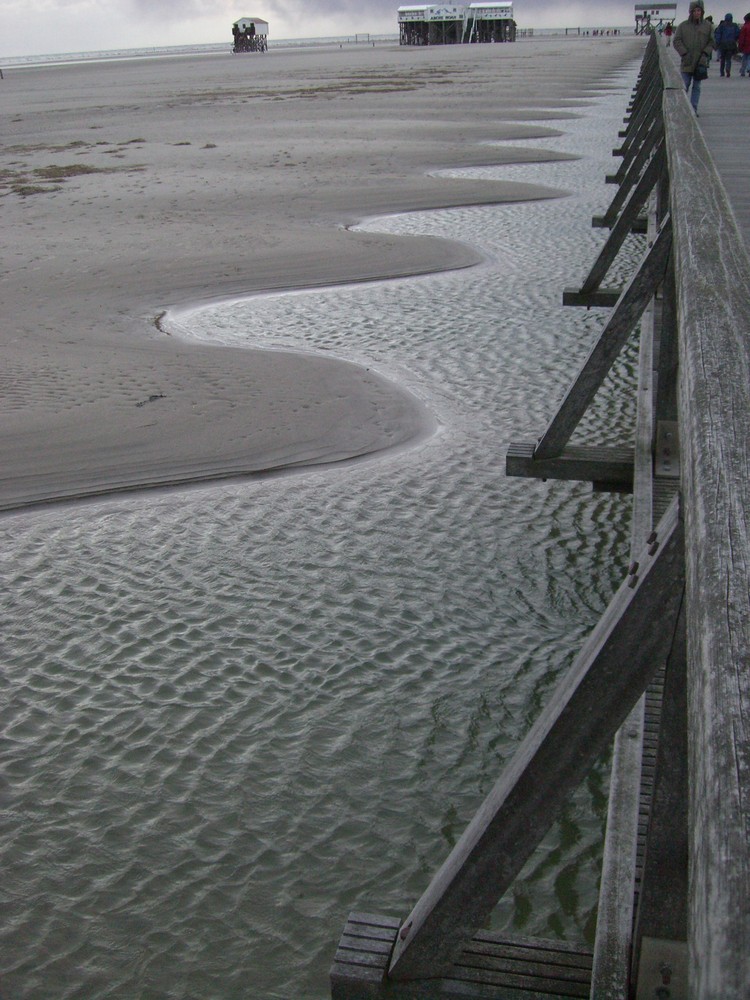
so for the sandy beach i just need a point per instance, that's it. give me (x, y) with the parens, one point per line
(130, 188)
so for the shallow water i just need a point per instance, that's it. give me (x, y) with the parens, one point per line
(230, 715)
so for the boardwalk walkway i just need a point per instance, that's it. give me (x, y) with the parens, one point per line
(724, 118)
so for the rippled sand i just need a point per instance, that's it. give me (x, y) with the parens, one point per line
(133, 186)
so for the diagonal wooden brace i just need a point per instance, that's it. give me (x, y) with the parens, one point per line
(625, 315)
(632, 639)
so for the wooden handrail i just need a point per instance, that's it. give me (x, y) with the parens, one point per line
(712, 273)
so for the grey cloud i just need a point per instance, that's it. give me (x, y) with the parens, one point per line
(186, 9)
(529, 10)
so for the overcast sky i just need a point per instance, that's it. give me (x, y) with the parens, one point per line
(35, 27)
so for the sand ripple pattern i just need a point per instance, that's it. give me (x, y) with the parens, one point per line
(230, 715)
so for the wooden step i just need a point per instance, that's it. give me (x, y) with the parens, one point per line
(491, 967)
(612, 465)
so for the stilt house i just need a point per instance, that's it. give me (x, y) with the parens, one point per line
(452, 24)
(250, 34)
(650, 17)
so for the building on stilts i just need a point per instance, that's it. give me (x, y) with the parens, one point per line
(454, 24)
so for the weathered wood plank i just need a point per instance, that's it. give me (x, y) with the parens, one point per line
(454, 990)
(361, 960)
(599, 297)
(473, 967)
(713, 289)
(375, 945)
(584, 463)
(372, 956)
(666, 362)
(730, 154)
(372, 926)
(599, 222)
(536, 950)
(492, 966)
(371, 920)
(662, 902)
(502, 980)
(610, 342)
(665, 491)
(353, 982)
(583, 713)
(540, 980)
(609, 979)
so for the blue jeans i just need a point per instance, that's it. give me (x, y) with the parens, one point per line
(726, 62)
(695, 93)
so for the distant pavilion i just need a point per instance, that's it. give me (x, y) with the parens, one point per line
(654, 17)
(456, 24)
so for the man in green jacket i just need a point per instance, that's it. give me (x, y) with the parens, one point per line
(694, 42)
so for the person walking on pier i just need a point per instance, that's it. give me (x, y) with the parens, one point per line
(744, 46)
(726, 36)
(694, 42)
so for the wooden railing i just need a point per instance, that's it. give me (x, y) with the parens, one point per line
(666, 672)
(712, 277)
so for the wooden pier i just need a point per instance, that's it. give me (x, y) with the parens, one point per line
(666, 671)
(725, 100)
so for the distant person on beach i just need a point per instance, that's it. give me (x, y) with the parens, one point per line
(668, 33)
(726, 36)
(743, 43)
(694, 42)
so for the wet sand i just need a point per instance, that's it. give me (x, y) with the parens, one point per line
(133, 187)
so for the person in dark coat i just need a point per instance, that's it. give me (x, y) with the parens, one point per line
(726, 37)
(694, 42)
